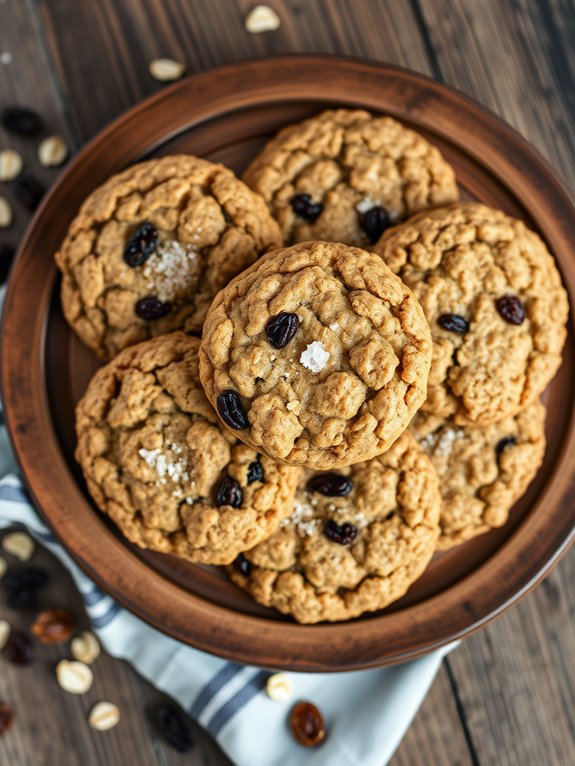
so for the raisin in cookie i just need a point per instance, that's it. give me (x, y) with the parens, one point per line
(355, 542)
(151, 247)
(159, 464)
(317, 355)
(345, 175)
(494, 301)
(482, 471)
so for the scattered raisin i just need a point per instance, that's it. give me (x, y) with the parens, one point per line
(54, 626)
(19, 648)
(151, 308)
(174, 727)
(255, 472)
(21, 120)
(374, 222)
(281, 329)
(344, 534)
(502, 444)
(141, 245)
(21, 599)
(305, 208)
(28, 191)
(7, 717)
(330, 484)
(231, 410)
(228, 492)
(511, 309)
(453, 323)
(307, 724)
(7, 253)
(27, 578)
(242, 565)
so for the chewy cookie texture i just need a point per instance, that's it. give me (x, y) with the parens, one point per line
(482, 471)
(346, 175)
(317, 355)
(355, 542)
(494, 302)
(158, 463)
(151, 247)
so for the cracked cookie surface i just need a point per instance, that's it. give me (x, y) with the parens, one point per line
(159, 464)
(318, 355)
(331, 176)
(208, 227)
(495, 304)
(482, 471)
(339, 556)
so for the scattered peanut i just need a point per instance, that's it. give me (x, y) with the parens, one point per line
(52, 151)
(262, 18)
(5, 213)
(18, 544)
(5, 631)
(279, 687)
(104, 716)
(74, 677)
(85, 648)
(167, 70)
(11, 164)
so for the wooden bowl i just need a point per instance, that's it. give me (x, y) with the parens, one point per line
(227, 114)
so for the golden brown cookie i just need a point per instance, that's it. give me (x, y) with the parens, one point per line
(157, 461)
(482, 471)
(317, 355)
(356, 541)
(151, 247)
(345, 175)
(494, 301)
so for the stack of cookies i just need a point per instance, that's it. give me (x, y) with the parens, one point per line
(317, 376)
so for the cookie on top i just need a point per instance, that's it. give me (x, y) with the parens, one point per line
(317, 355)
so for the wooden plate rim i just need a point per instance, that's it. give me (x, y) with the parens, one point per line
(380, 640)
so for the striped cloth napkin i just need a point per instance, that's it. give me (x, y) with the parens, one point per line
(366, 712)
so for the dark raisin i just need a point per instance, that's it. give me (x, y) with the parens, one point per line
(502, 444)
(7, 717)
(255, 472)
(151, 308)
(21, 599)
(511, 309)
(453, 323)
(305, 208)
(7, 253)
(374, 222)
(242, 565)
(307, 724)
(27, 578)
(228, 492)
(19, 649)
(232, 411)
(330, 484)
(281, 329)
(174, 727)
(344, 534)
(21, 120)
(28, 191)
(141, 245)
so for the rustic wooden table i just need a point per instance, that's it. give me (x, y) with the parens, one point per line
(506, 695)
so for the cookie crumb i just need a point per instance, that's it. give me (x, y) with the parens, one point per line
(315, 356)
(262, 18)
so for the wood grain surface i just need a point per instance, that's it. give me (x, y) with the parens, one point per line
(506, 695)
